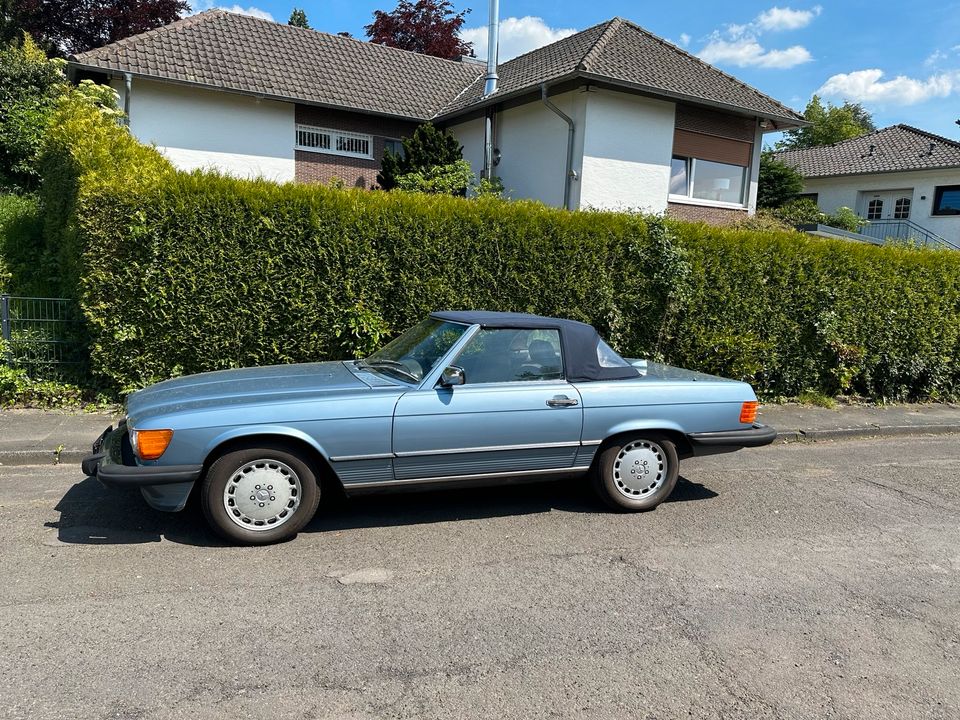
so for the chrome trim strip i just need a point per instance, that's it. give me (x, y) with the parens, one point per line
(348, 458)
(455, 451)
(477, 476)
(487, 448)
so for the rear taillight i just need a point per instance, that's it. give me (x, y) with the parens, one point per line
(748, 412)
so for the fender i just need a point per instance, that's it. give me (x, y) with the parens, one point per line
(251, 430)
(637, 425)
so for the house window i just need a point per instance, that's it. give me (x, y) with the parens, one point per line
(707, 180)
(334, 142)
(901, 208)
(875, 209)
(395, 147)
(946, 200)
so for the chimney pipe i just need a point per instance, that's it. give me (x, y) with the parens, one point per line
(493, 49)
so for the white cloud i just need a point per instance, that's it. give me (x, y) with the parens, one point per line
(252, 10)
(739, 44)
(868, 86)
(517, 36)
(935, 57)
(748, 52)
(684, 39)
(777, 18)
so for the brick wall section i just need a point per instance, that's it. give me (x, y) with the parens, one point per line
(313, 167)
(704, 213)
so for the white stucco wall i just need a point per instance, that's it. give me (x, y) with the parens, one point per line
(627, 146)
(845, 192)
(532, 141)
(470, 135)
(235, 134)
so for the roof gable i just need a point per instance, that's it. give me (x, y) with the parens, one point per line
(898, 148)
(623, 52)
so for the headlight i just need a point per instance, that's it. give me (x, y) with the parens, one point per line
(150, 444)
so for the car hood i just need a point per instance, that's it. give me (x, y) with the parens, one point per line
(250, 386)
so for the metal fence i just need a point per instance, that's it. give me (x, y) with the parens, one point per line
(44, 336)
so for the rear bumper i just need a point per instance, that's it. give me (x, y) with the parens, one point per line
(728, 440)
(113, 465)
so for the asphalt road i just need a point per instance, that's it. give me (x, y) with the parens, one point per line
(796, 581)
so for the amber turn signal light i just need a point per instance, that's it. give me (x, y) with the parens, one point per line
(748, 412)
(150, 444)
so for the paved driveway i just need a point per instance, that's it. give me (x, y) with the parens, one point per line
(797, 581)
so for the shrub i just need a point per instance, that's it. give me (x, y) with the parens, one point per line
(19, 390)
(452, 179)
(779, 183)
(427, 148)
(86, 149)
(30, 85)
(23, 270)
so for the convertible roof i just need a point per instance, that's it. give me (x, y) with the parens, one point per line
(579, 340)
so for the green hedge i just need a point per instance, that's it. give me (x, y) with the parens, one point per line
(181, 273)
(209, 272)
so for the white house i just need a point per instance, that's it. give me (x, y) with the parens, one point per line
(611, 117)
(905, 181)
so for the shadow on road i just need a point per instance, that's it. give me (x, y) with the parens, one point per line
(90, 514)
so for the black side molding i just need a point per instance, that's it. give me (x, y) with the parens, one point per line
(756, 436)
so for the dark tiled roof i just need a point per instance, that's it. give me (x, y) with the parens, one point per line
(236, 52)
(620, 51)
(893, 149)
(225, 50)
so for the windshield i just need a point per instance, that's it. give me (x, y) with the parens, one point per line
(414, 354)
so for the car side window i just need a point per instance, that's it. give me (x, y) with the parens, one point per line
(511, 355)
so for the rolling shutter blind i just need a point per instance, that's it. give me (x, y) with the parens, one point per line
(711, 147)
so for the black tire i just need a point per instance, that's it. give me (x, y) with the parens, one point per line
(623, 492)
(226, 468)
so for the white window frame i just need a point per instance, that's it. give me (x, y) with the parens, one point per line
(689, 198)
(334, 138)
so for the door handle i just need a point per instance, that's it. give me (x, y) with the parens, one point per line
(561, 401)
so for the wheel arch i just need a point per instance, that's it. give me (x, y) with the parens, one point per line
(671, 431)
(250, 436)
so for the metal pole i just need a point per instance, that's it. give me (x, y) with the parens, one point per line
(5, 316)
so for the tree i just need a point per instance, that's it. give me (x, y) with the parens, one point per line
(830, 124)
(778, 184)
(30, 86)
(68, 27)
(298, 18)
(429, 27)
(426, 149)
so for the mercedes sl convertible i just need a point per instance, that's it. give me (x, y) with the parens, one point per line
(461, 398)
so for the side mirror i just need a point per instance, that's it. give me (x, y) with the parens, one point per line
(452, 375)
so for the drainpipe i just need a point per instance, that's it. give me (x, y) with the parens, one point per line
(490, 84)
(128, 83)
(571, 128)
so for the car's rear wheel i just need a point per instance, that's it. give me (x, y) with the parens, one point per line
(260, 495)
(637, 473)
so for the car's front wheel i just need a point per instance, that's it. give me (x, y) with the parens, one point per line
(637, 473)
(260, 495)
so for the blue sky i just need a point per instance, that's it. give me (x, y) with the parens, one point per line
(901, 60)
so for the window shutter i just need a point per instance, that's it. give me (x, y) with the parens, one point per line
(710, 147)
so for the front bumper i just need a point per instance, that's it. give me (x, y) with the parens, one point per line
(112, 463)
(708, 443)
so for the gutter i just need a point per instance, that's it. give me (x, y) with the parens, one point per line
(570, 173)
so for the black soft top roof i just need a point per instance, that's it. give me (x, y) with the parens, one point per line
(579, 340)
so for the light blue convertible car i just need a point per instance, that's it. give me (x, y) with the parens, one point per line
(461, 398)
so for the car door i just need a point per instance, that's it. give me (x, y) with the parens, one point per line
(515, 413)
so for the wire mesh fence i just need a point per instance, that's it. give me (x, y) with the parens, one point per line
(43, 336)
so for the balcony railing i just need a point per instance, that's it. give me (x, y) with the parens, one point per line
(907, 231)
